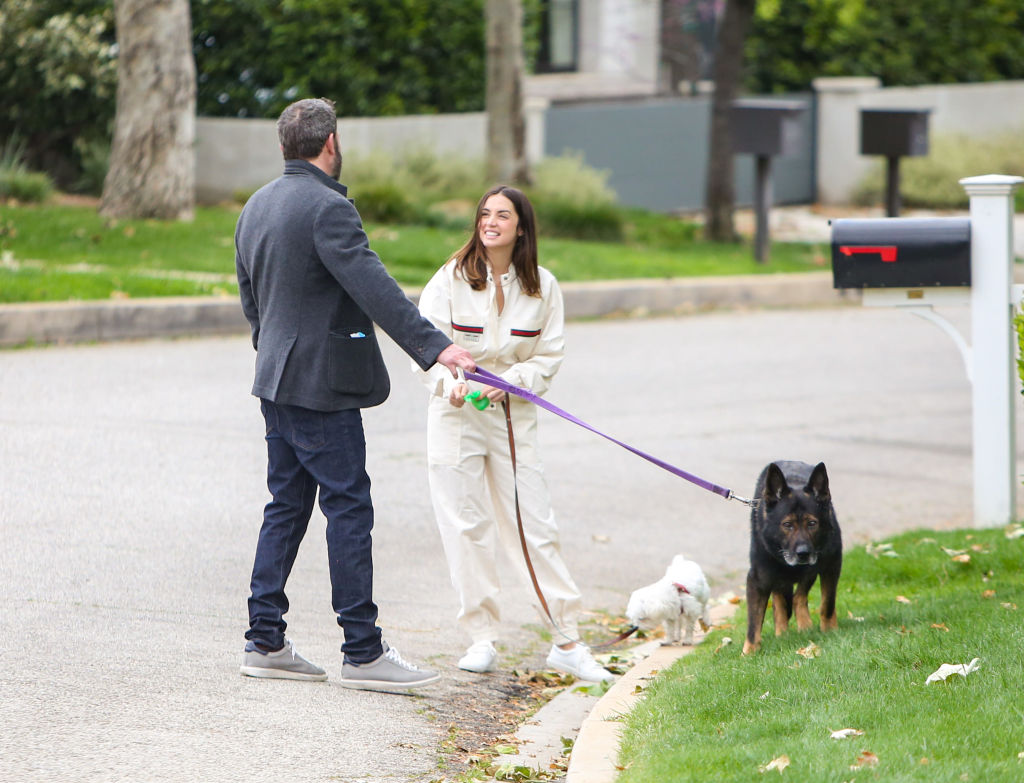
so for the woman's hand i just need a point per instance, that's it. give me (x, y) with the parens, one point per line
(494, 395)
(457, 396)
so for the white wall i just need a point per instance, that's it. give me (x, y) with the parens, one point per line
(979, 110)
(235, 154)
(243, 154)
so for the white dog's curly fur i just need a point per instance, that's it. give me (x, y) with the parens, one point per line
(678, 599)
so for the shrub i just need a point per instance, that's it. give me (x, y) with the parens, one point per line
(386, 202)
(58, 79)
(654, 230)
(569, 179)
(933, 181)
(423, 177)
(16, 181)
(571, 199)
(558, 217)
(94, 158)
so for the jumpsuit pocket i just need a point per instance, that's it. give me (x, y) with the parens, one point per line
(350, 360)
(444, 431)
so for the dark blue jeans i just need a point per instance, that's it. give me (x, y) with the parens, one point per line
(309, 450)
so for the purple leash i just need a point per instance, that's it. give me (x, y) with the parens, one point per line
(490, 379)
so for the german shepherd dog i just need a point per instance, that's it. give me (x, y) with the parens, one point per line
(794, 539)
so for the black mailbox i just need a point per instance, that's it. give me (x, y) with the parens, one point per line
(894, 132)
(766, 127)
(901, 252)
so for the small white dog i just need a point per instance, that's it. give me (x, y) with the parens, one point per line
(680, 597)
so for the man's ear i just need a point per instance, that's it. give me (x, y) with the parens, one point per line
(331, 145)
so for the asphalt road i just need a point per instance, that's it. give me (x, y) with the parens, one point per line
(132, 484)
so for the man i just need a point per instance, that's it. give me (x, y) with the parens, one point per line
(312, 291)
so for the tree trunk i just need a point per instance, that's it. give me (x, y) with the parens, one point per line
(152, 164)
(718, 223)
(506, 123)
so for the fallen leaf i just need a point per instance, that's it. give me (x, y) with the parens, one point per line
(726, 641)
(1020, 756)
(844, 733)
(903, 599)
(961, 558)
(779, 763)
(855, 619)
(880, 550)
(1009, 606)
(953, 552)
(865, 759)
(1015, 531)
(949, 669)
(810, 651)
(765, 695)
(988, 594)
(940, 627)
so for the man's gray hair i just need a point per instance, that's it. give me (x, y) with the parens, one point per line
(304, 126)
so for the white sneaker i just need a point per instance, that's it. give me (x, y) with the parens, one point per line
(578, 662)
(479, 658)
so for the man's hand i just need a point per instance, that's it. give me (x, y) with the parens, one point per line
(454, 357)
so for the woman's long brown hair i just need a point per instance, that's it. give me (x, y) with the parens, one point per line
(471, 259)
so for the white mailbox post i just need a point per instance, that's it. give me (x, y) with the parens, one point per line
(993, 297)
(917, 264)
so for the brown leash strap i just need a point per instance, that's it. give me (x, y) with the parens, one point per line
(526, 550)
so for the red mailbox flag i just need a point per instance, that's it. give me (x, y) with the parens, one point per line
(887, 252)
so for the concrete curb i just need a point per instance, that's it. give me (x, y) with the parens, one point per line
(127, 319)
(595, 753)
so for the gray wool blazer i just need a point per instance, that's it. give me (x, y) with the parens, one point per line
(312, 290)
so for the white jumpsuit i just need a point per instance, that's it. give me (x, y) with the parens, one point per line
(470, 471)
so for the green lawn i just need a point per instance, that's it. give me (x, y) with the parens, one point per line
(59, 252)
(905, 609)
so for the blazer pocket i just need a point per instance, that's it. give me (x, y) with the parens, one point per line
(350, 361)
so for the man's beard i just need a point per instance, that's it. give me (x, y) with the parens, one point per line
(336, 167)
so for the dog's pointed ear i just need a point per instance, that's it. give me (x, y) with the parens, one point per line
(817, 484)
(775, 486)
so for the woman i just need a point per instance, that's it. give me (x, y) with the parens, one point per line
(493, 299)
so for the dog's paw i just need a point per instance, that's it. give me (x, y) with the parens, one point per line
(750, 649)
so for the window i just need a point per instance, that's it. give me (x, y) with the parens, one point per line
(559, 22)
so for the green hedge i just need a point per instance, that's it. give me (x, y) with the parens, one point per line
(372, 58)
(793, 41)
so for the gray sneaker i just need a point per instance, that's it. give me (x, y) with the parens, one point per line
(388, 672)
(285, 664)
